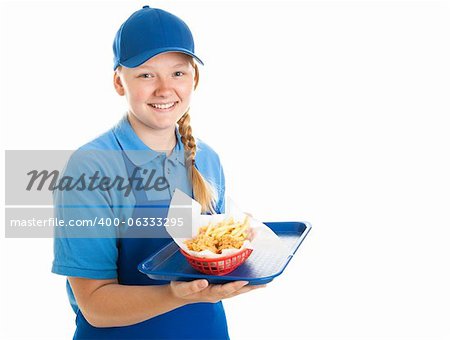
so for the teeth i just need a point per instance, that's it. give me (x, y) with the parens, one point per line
(163, 106)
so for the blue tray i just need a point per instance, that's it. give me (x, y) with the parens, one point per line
(170, 265)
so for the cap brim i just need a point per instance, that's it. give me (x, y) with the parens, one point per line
(143, 57)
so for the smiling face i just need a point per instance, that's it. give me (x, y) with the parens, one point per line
(158, 92)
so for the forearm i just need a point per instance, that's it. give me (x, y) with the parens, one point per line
(115, 305)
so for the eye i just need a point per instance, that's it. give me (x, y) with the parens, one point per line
(146, 75)
(178, 74)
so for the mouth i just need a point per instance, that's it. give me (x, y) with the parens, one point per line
(163, 107)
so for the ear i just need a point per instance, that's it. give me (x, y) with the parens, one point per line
(118, 84)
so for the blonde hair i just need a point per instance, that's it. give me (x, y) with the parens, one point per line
(204, 192)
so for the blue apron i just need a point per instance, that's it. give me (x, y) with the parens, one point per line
(193, 321)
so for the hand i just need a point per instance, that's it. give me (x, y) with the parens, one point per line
(202, 291)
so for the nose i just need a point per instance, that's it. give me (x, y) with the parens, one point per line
(163, 88)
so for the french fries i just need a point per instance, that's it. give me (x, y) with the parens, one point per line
(223, 235)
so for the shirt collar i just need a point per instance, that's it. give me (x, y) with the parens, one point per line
(137, 151)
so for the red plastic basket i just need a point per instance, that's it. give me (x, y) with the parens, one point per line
(220, 265)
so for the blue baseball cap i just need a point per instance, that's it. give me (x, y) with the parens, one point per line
(149, 32)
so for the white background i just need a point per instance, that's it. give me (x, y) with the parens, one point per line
(330, 112)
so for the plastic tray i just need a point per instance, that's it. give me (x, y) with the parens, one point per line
(170, 265)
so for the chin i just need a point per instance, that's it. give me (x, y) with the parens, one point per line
(162, 125)
(157, 123)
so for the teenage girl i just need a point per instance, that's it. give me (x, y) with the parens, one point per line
(155, 69)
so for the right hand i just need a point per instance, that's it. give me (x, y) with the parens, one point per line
(202, 291)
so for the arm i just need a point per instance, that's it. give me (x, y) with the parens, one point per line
(105, 303)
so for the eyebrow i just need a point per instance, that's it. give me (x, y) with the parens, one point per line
(180, 65)
(173, 66)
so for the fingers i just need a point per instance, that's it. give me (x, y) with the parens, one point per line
(244, 290)
(183, 289)
(228, 288)
(201, 291)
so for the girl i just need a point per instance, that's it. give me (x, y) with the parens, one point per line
(155, 70)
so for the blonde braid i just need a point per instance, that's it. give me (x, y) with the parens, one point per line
(204, 192)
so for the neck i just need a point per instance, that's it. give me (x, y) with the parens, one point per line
(157, 140)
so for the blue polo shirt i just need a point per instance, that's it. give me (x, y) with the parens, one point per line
(96, 257)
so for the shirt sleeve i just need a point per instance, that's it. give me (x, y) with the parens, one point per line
(90, 250)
